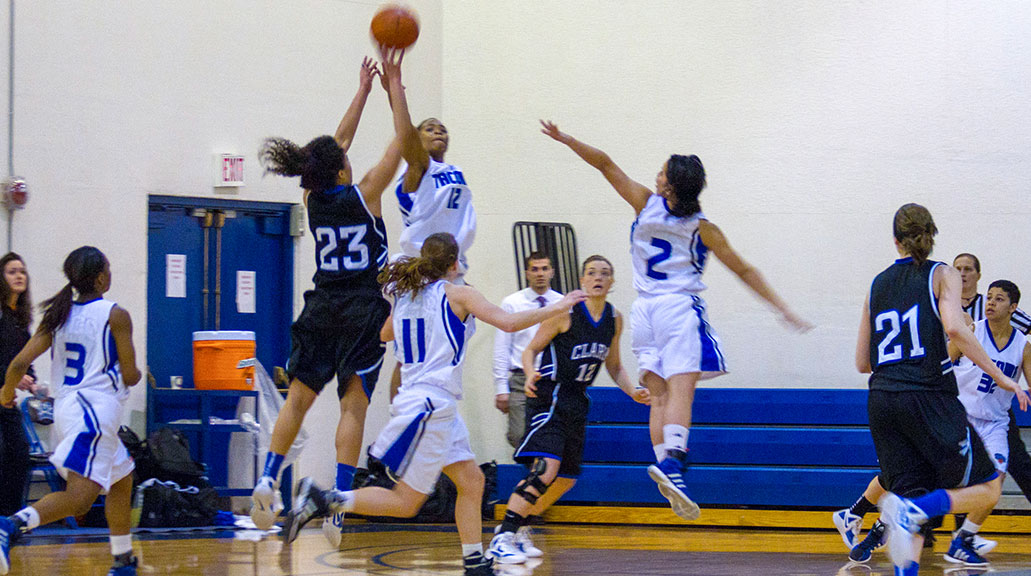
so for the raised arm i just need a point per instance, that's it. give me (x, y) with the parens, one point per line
(466, 300)
(412, 150)
(16, 370)
(948, 285)
(349, 123)
(635, 193)
(379, 177)
(121, 330)
(615, 368)
(714, 239)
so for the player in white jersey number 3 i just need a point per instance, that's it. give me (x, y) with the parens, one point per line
(94, 362)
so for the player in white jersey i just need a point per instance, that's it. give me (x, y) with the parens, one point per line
(93, 364)
(674, 343)
(425, 436)
(987, 404)
(433, 195)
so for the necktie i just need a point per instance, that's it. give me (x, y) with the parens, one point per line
(542, 301)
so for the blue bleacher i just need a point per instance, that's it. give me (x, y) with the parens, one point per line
(792, 448)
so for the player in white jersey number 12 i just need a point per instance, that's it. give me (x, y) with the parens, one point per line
(93, 363)
(674, 343)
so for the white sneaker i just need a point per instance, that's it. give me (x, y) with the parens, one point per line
(503, 549)
(331, 528)
(903, 521)
(849, 525)
(981, 545)
(525, 543)
(266, 503)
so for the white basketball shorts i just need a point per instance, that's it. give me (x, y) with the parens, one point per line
(672, 335)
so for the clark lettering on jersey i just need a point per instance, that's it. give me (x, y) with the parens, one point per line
(445, 178)
(590, 351)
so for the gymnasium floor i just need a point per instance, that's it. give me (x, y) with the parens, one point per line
(386, 549)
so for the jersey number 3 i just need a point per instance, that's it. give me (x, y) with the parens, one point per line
(328, 238)
(887, 350)
(75, 364)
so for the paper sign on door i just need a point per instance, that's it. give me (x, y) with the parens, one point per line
(175, 275)
(245, 285)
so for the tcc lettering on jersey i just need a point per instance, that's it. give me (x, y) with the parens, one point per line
(592, 350)
(445, 178)
(988, 384)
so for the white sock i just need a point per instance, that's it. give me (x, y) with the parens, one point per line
(341, 501)
(675, 437)
(121, 544)
(660, 451)
(468, 549)
(29, 516)
(970, 527)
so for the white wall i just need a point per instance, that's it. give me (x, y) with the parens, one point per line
(814, 120)
(118, 100)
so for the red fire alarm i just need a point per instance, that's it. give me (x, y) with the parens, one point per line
(16, 193)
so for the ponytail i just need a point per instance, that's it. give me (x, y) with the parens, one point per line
(56, 310)
(82, 268)
(410, 275)
(318, 163)
(914, 230)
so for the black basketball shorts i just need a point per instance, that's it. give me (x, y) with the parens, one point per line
(924, 442)
(338, 335)
(555, 429)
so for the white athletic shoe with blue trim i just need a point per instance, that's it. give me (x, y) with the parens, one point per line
(332, 528)
(503, 549)
(669, 475)
(849, 525)
(903, 520)
(266, 503)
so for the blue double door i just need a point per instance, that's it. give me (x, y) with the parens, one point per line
(231, 269)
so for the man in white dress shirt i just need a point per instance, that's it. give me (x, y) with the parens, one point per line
(508, 347)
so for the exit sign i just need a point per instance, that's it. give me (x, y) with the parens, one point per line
(228, 171)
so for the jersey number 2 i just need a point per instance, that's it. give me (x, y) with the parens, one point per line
(666, 251)
(890, 320)
(357, 255)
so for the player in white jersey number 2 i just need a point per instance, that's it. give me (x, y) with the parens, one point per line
(672, 339)
(93, 363)
(432, 322)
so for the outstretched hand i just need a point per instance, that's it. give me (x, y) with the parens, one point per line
(573, 298)
(369, 71)
(550, 129)
(390, 61)
(796, 323)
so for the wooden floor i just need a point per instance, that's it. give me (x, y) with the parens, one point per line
(569, 550)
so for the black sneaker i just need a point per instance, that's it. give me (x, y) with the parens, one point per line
(874, 539)
(310, 503)
(478, 565)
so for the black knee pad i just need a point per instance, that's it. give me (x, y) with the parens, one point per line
(533, 479)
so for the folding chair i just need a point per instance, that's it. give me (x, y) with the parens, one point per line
(40, 460)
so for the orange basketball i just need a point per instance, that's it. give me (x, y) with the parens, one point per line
(395, 26)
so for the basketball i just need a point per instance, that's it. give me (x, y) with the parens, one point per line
(395, 26)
